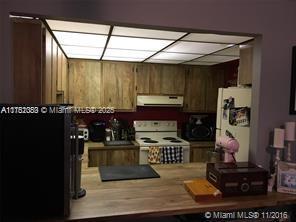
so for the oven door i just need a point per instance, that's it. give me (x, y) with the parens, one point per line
(143, 157)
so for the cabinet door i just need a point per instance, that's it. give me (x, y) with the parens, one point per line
(27, 63)
(245, 65)
(195, 89)
(97, 158)
(199, 154)
(215, 80)
(123, 157)
(172, 80)
(118, 85)
(54, 71)
(65, 79)
(85, 83)
(60, 68)
(142, 78)
(155, 78)
(47, 82)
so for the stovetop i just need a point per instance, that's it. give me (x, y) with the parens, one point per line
(158, 140)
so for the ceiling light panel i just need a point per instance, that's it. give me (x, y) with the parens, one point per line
(128, 53)
(164, 61)
(117, 42)
(122, 59)
(195, 47)
(201, 37)
(146, 33)
(77, 56)
(82, 50)
(232, 51)
(80, 39)
(78, 27)
(216, 58)
(201, 63)
(175, 56)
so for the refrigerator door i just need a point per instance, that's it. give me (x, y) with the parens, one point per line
(242, 98)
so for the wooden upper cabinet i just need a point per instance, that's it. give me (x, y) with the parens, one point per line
(142, 78)
(172, 80)
(215, 80)
(155, 78)
(84, 83)
(26, 61)
(118, 80)
(246, 64)
(159, 79)
(195, 89)
(59, 68)
(47, 77)
(65, 79)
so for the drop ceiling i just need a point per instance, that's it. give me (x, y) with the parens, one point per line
(117, 43)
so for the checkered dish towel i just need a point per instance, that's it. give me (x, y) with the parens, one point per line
(154, 154)
(171, 154)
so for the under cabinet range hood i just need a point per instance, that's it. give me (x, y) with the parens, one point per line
(164, 101)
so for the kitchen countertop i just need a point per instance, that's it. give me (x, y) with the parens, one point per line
(100, 145)
(165, 196)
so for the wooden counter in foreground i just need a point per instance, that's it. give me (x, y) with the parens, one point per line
(135, 199)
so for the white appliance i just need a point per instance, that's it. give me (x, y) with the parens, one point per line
(159, 133)
(241, 98)
(83, 132)
(166, 101)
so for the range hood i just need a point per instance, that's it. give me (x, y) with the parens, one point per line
(164, 101)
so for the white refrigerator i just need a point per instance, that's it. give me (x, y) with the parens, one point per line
(233, 115)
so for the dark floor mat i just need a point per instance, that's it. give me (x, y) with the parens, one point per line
(112, 173)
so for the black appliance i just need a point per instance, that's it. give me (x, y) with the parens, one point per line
(200, 128)
(35, 163)
(77, 150)
(97, 131)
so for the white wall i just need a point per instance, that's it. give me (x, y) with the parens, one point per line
(274, 19)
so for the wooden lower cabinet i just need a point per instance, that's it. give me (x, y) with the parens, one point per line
(113, 157)
(199, 152)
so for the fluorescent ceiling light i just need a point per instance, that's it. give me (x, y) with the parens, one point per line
(122, 59)
(232, 51)
(81, 50)
(201, 37)
(216, 58)
(195, 47)
(201, 63)
(163, 61)
(74, 56)
(128, 53)
(79, 39)
(175, 56)
(78, 27)
(117, 42)
(147, 33)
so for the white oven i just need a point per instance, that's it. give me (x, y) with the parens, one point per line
(159, 134)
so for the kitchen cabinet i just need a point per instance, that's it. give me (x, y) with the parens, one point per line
(113, 156)
(85, 83)
(118, 85)
(214, 81)
(37, 64)
(27, 63)
(245, 64)
(201, 88)
(159, 79)
(195, 89)
(199, 151)
(172, 80)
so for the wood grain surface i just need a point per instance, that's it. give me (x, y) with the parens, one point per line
(135, 199)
